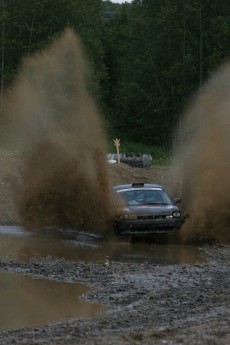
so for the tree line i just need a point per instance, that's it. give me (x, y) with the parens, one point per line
(148, 57)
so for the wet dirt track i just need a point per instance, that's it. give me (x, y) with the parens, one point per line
(145, 303)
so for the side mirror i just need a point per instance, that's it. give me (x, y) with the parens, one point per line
(177, 200)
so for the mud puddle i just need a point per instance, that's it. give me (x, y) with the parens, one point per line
(20, 245)
(162, 254)
(29, 302)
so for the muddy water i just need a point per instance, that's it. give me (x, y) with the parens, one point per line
(28, 302)
(56, 127)
(18, 244)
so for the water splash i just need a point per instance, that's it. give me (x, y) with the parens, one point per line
(205, 161)
(52, 119)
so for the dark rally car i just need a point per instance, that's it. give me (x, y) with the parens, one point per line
(143, 209)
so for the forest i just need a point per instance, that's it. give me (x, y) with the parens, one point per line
(148, 58)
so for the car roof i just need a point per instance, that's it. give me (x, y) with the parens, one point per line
(137, 185)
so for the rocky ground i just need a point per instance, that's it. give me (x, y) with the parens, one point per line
(144, 303)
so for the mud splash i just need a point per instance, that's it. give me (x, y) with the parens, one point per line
(53, 122)
(205, 161)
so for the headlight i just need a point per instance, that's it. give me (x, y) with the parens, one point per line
(176, 214)
(128, 216)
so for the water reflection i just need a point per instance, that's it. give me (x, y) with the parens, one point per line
(17, 244)
(29, 302)
(162, 254)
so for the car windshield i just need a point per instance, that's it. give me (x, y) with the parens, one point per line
(132, 197)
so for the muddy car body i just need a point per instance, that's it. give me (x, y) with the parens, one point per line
(145, 209)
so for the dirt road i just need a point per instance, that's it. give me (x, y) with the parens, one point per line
(145, 303)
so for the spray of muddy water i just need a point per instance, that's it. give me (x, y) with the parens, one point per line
(50, 115)
(204, 157)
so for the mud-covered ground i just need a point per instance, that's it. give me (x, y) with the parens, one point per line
(144, 303)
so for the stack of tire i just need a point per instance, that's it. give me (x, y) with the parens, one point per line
(136, 160)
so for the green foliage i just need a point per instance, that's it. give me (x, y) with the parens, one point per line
(162, 52)
(108, 6)
(29, 25)
(146, 61)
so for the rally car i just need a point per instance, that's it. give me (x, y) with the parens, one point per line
(142, 209)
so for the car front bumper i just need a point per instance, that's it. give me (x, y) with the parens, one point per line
(144, 228)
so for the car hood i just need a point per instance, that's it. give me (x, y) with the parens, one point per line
(151, 209)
